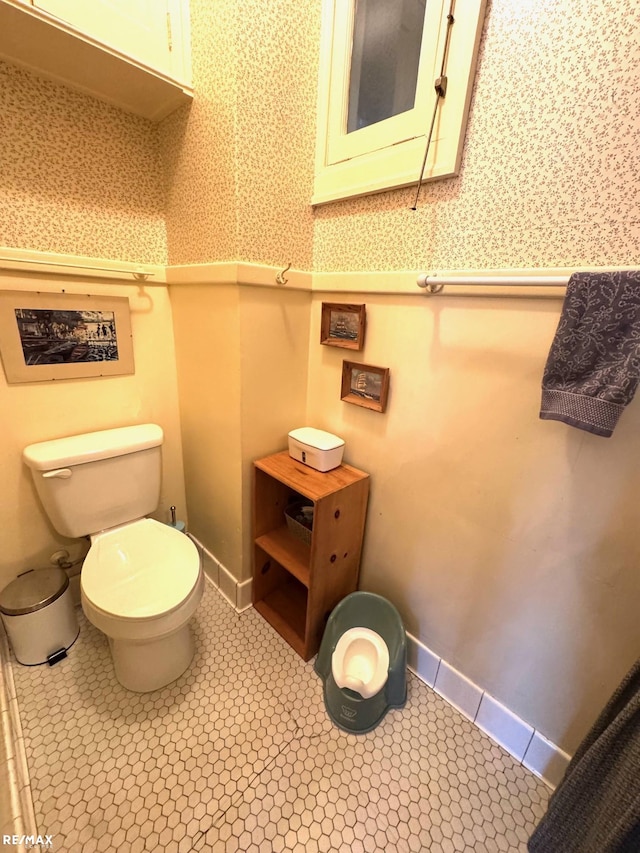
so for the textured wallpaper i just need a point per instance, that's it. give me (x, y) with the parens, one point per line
(279, 48)
(549, 175)
(552, 148)
(77, 176)
(550, 169)
(198, 144)
(240, 160)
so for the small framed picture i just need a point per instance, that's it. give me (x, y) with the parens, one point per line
(343, 325)
(365, 385)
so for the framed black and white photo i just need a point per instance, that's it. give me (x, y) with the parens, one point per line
(52, 336)
(365, 385)
(343, 325)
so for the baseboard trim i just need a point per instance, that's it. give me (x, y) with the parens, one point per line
(20, 819)
(244, 595)
(521, 740)
(237, 593)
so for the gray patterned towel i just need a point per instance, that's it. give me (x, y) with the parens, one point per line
(593, 367)
(596, 807)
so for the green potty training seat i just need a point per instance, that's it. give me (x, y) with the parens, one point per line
(363, 662)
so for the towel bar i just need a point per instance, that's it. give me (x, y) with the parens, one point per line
(435, 283)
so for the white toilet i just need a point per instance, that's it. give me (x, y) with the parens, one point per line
(360, 662)
(142, 580)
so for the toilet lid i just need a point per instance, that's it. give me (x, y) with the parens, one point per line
(140, 570)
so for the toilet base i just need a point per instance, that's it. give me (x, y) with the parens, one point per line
(146, 665)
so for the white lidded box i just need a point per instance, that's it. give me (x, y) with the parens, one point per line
(315, 447)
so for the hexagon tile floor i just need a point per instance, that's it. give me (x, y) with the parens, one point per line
(239, 754)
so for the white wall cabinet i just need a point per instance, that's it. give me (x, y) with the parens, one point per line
(149, 31)
(131, 53)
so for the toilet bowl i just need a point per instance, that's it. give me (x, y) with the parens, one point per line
(141, 580)
(360, 662)
(132, 591)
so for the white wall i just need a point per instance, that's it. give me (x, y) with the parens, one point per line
(242, 368)
(508, 543)
(275, 347)
(207, 330)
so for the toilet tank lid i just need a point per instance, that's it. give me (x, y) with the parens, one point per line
(91, 446)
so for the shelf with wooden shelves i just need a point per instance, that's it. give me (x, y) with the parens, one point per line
(292, 553)
(296, 585)
(285, 608)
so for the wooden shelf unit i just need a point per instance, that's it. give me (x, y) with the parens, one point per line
(296, 585)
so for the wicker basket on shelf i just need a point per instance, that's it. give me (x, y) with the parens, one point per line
(299, 518)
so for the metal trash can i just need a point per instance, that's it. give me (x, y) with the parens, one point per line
(38, 614)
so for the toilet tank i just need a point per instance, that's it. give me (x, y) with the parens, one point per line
(90, 482)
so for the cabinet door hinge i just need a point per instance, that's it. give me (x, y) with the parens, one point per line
(169, 39)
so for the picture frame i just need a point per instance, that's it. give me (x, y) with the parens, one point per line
(343, 325)
(59, 335)
(365, 385)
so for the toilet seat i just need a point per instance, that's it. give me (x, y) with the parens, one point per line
(360, 662)
(140, 571)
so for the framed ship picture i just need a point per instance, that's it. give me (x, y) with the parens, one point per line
(343, 325)
(365, 385)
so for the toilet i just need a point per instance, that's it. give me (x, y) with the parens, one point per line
(141, 580)
(362, 661)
